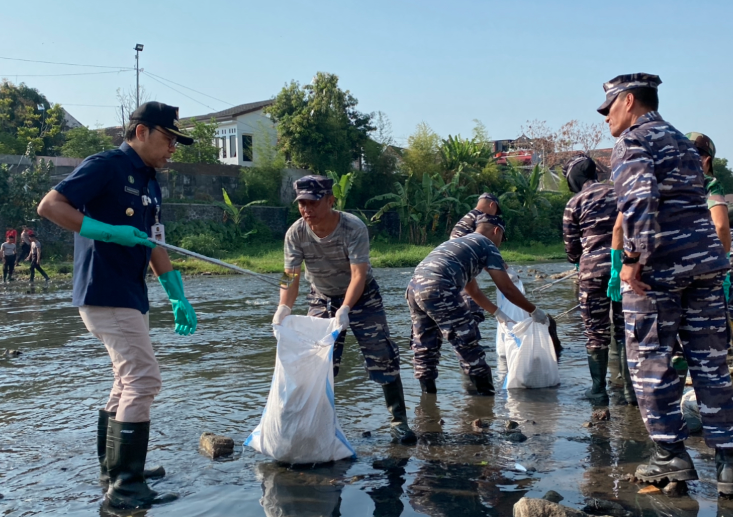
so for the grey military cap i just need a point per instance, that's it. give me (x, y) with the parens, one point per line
(312, 187)
(621, 83)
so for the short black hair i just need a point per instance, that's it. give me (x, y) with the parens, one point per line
(647, 97)
(131, 127)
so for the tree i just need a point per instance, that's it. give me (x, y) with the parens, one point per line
(318, 125)
(341, 187)
(82, 142)
(724, 174)
(27, 117)
(422, 155)
(263, 180)
(128, 102)
(24, 190)
(203, 149)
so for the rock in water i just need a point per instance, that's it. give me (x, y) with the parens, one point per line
(553, 496)
(601, 414)
(511, 424)
(602, 507)
(675, 489)
(516, 437)
(527, 507)
(216, 446)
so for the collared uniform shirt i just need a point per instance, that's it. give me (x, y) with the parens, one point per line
(587, 226)
(459, 260)
(466, 225)
(112, 187)
(659, 184)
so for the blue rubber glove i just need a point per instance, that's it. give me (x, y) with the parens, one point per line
(183, 312)
(726, 282)
(117, 234)
(614, 285)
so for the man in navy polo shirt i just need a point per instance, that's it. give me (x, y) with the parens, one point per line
(111, 202)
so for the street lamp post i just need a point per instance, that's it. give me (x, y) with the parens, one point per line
(138, 49)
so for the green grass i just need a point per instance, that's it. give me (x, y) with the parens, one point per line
(268, 258)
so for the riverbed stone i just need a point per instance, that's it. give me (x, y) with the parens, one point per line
(675, 489)
(552, 496)
(516, 437)
(528, 507)
(511, 424)
(215, 445)
(595, 506)
(601, 414)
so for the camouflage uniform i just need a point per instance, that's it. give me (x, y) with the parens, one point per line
(465, 226)
(438, 309)
(368, 322)
(659, 184)
(587, 228)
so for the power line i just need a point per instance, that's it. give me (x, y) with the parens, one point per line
(186, 87)
(66, 64)
(62, 75)
(92, 105)
(181, 93)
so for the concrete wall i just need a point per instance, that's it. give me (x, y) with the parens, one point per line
(198, 181)
(274, 217)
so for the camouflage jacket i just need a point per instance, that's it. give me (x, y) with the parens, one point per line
(658, 179)
(587, 227)
(466, 225)
(458, 261)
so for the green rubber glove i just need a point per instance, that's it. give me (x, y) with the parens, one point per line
(183, 312)
(577, 267)
(614, 285)
(122, 234)
(726, 282)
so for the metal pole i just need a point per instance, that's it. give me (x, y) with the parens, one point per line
(562, 314)
(137, 79)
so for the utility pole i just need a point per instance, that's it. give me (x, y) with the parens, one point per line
(138, 49)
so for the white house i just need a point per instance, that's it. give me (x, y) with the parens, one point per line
(239, 129)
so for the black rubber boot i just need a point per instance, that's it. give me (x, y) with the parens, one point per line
(127, 448)
(724, 467)
(629, 393)
(598, 366)
(102, 423)
(394, 396)
(428, 386)
(484, 384)
(670, 462)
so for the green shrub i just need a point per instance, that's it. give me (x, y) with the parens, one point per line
(203, 243)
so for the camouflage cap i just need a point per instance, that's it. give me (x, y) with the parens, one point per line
(494, 220)
(621, 83)
(492, 197)
(702, 142)
(312, 187)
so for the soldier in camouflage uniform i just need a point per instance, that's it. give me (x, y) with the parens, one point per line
(439, 311)
(674, 266)
(587, 228)
(335, 248)
(487, 204)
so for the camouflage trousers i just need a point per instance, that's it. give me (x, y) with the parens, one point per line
(478, 313)
(368, 322)
(695, 308)
(595, 309)
(439, 311)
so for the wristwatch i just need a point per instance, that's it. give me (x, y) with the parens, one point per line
(627, 261)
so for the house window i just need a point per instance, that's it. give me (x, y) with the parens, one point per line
(223, 147)
(247, 148)
(233, 146)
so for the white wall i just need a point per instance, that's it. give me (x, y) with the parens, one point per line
(254, 124)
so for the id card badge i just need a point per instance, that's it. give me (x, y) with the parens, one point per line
(158, 232)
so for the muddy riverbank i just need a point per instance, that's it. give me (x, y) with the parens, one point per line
(218, 379)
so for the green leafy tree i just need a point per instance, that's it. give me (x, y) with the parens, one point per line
(27, 117)
(23, 190)
(724, 174)
(422, 155)
(82, 142)
(262, 181)
(203, 149)
(526, 190)
(318, 125)
(463, 155)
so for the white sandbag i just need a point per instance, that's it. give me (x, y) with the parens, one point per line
(512, 311)
(691, 411)
(531, 359)
(299, 421)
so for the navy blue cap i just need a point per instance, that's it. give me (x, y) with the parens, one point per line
(312, 187)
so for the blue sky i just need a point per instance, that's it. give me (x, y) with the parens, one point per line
(444, 63)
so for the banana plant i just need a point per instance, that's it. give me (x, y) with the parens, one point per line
(526, 190)
(341, 187)
(236, 214)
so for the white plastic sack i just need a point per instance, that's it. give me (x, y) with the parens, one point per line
(531, 359)
(510, 310)
(299, 421)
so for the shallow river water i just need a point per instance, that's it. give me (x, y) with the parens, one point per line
(218, 380)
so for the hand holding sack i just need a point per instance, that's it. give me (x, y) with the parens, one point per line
(282, 312)
(121, 234)
(539, 316)
(185, 316)
(502, 318)
(342, 317)
(614, 284)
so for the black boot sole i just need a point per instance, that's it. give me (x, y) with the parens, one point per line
(678, 475)
(725, 489)
(154, 473)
